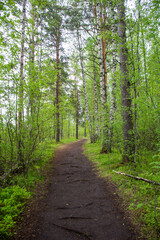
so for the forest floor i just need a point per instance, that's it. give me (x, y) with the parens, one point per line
(75, 203)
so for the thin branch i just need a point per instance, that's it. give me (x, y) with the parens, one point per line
(138, 178)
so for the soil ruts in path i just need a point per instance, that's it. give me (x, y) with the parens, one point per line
(78, 205)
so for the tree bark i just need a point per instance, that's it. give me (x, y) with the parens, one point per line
(85, 132)
(128, 136)
(68, 126)
(32, 46)
(61, 126)
(96, 100)
(103, 23)
(100, 56)
(77, 109)
(57, 89)
(113, 95)
(136, 84)
(20, 108)
(84, 84)
(103, 74)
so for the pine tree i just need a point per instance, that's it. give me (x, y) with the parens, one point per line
(128, 150)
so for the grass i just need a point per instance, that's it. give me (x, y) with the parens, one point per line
(142, 199)
(68, 140)
(20, 188)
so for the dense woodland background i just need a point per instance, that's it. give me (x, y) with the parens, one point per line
(79, 69)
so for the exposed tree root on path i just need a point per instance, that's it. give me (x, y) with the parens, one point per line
(86, 235)
(81, 200)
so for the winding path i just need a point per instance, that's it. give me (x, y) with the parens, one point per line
(78, 205)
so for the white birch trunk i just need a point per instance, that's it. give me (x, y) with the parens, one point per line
(113, 97)
(20, 108)
(100, 56)
(102, 78)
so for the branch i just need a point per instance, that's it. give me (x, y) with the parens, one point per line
(10, 172)
(138, 178)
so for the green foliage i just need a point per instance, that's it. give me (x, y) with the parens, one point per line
(142, 199)
(38, 129)
(14, 197)
(12, 200)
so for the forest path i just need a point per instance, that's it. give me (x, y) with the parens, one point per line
(78, 204)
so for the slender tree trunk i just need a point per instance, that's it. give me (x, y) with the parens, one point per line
(69, 127)
(61, 127)
(144, 59)
(57, 89)
(136, 84)
(20, 107)
(103, 74)
(95, 110)
(1, 121)
(128, 137)
(32, 98)
(85, 132)
(105, 124)
(100, 56)
(84, 84)
(113, 95)
(77, 109)
(96, 100)
(103, 23)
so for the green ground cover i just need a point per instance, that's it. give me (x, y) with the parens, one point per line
(17, 191)
(141, 199)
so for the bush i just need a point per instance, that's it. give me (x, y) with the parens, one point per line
(12, 200)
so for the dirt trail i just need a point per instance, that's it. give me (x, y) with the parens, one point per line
(78, 205)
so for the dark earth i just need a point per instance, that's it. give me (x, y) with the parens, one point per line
(78, 203)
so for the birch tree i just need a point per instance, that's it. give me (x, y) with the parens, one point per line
(113, 86)
(21, 89)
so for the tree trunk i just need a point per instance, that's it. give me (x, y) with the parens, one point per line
(103, 74)
(61, 127)
(69, 127)
(96, 100)
(103, 23)
(77, 109)
(128, 136)
(20, 108)
(1, 120)
(95, 110)
(113, 96)
(32, 76)
(100, 56)
(84, 84)
(57, 89)
(136, 84)
(85, 132)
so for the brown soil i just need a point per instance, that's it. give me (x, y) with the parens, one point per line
(78, 205)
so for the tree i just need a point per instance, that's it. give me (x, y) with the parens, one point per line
(21, 108)
(84, 83)
(53, 27)
(128, 149)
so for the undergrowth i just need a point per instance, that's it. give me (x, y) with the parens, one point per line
(19, 188)
(12, 200)
(142, 199)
